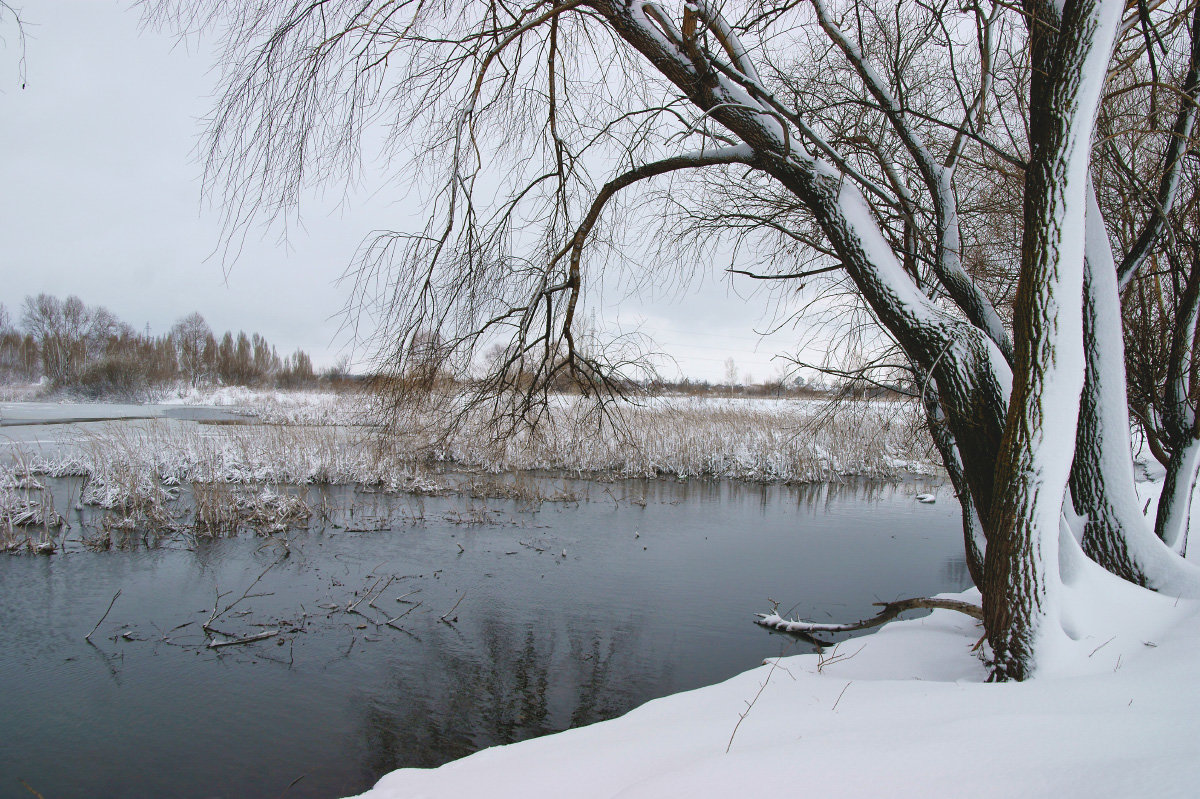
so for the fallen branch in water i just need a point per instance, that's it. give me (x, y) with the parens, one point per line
(773, 621)
(391, 622)
(451, 610)
(249, 639)
(207, 626)
(88, 637)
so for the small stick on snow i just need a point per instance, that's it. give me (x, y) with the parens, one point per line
(839, 699)
(750, 705)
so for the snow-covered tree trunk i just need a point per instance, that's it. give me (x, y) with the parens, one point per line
(1116, 534)
(1175, 505)
(1102, 474)
(1021, 588)
(1180, 425)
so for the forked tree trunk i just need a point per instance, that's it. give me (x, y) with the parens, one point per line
(1021, 581)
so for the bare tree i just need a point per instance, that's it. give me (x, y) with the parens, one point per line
(190, 334)
(931, 163)
(41, 318)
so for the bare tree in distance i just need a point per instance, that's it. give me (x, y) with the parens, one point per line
(933, 162)
(190, 334)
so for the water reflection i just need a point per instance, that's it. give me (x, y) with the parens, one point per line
(497, 684)
(576, 613)
(956, 571)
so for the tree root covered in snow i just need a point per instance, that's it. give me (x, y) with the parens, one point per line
(805, 629)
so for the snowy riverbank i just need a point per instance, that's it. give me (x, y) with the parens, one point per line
(906, 714)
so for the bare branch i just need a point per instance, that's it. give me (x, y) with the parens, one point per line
(890, 611)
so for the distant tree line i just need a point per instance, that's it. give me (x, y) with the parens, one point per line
(72, 345)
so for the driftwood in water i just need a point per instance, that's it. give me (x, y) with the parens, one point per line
(247, 640)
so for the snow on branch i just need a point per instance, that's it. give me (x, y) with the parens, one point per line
(938, 180)
(721, 29)
(891, 610)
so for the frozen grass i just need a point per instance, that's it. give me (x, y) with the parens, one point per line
(315, 438)
(28, 518)
(135, 470)
(761, 440)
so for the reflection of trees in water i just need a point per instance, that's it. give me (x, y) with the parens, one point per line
(955, 571)
(813, 498)
(500, 686)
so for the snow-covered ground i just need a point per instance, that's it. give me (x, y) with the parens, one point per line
(905, 712)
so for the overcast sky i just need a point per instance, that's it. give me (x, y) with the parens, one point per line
(101, 198)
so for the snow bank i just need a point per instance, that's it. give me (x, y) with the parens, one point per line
(908, 715)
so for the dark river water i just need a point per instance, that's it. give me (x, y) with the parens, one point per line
(517, 623)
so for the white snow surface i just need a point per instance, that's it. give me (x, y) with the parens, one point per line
(908, 715)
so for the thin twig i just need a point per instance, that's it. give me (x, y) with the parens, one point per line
(451, 610)
(88, 637)
(293, 782)
(410, 593)
(371, 602)
(750, 705)
(839, 699)
(245, 595)
(29, 788)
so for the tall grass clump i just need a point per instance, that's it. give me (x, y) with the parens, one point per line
(28, 517)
